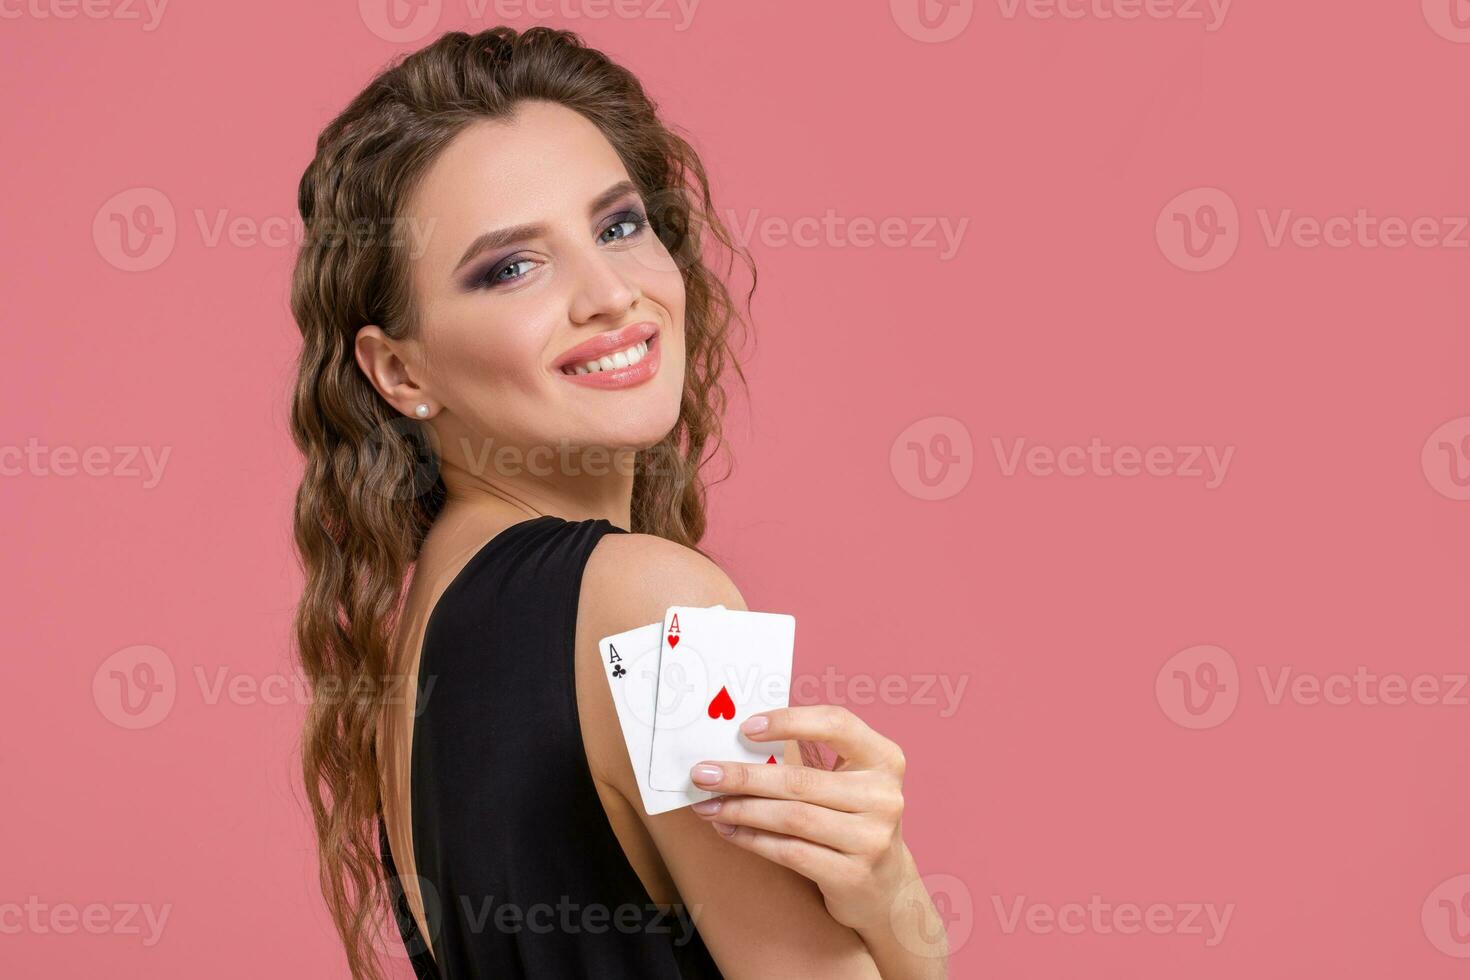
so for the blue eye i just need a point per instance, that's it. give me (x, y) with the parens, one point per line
(496, 275)
(627, 225)
(633, 221)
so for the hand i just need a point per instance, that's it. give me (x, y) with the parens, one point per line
(840, 827)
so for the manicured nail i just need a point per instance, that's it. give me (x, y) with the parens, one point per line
(708, 808)
(755, 724)
(725, 829)
(705, 773)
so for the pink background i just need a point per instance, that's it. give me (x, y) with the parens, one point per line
(1078, 762)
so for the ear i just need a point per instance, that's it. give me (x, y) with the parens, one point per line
(385, 363)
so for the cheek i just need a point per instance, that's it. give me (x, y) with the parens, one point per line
(670, 286)
(657, 274)
(480, 357)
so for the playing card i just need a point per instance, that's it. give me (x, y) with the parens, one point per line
(717, 667)
(630, 661)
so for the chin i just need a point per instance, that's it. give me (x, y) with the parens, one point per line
(639, 435)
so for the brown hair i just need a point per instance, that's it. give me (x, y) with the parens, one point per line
(370, 491)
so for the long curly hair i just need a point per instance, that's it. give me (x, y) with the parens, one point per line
(371, 488)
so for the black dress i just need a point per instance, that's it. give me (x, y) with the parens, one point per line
(521, 872)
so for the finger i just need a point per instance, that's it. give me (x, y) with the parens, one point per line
(805, 858)
(845, 832)
(854, 792)
(849, 735)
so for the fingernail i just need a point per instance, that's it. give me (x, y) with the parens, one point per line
(708, 807)
(705, 773)
(725, 829)
(755, 724)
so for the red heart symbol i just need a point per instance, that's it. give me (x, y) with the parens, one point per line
(722, 706)
(673, 640)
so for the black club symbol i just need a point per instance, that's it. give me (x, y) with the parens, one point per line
(618, 671)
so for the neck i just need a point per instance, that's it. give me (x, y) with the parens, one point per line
(575, 485)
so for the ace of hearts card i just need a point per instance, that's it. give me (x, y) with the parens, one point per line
(716, 668)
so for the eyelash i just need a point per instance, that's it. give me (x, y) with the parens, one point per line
(637, 219)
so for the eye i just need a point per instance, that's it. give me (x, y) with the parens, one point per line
(496, 275)
(627, 225)
(630, 222)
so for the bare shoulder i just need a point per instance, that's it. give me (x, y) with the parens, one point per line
(758, 918)
(631, 579)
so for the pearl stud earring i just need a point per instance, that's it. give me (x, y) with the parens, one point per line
(422, 411)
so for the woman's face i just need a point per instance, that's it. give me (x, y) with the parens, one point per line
(535, 258)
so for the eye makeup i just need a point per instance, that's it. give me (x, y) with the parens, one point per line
(491, 275)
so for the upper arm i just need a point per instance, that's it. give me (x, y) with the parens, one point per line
(757, 918)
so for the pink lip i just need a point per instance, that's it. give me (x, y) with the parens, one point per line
(606, 343)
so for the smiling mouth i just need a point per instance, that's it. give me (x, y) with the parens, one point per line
(626, 357)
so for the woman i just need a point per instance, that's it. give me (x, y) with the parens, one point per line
(510, 380)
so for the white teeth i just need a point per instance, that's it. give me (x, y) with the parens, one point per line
(618, 359)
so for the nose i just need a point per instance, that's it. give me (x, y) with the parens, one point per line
(601, 287)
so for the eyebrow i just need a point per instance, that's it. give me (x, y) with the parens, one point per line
(516, 233)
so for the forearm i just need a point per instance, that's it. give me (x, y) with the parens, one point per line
(910, 943)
